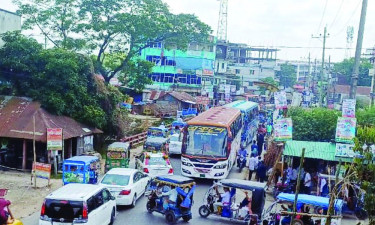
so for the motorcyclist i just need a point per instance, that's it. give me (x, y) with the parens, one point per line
(241, 152)
(6, 216)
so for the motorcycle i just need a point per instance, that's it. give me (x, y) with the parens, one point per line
(283, 188)
(241, 162)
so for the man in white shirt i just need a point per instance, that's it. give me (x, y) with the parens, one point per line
(307, 182)
(253, 162)
(225, 198)
(171, 199)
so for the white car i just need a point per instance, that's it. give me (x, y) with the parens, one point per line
(78, 204)
(154, 164)
(127, 185)
(175, 144)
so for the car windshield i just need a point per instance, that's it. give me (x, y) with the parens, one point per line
(157, 161)
(115, 179)
(67, 211)
(206, 141)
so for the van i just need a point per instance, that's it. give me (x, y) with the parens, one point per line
(78, 204)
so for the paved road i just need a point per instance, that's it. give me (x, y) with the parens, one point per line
(140, 216)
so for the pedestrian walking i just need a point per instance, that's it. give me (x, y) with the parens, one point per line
(260, 142)
(307, 183)
(253, 164)
(269, 129)
(254, 148)
(261, 171)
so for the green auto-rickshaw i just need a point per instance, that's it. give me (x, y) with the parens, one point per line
(118, 154)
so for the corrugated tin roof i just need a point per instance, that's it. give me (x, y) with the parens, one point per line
(314, 150)
(183, 96)
(345, 89)
(16, 116)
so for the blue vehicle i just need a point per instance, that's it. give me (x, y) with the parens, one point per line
(159, 202)
(179, 124)
(81, 169)
(307, 204)
(249, 111)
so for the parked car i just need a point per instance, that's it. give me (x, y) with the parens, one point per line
(175, 144)
(127, 185)
(154, 164)
(79, 204)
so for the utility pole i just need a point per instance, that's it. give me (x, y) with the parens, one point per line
(358, 49)
(322, 76)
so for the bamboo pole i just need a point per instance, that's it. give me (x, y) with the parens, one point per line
(279, 147)
(298, 183)
(34, 151)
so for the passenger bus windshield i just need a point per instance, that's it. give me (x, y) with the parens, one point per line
(206, 141)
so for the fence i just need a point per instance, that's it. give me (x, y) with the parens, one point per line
(135, 139)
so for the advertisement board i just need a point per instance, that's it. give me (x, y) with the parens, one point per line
(283, 129)
(344, 150)
(202, 100)
(280, 100)
(348, 108)
(54, 139)
(42, 170)
(345, 130)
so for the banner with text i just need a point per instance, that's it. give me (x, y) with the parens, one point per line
(345, 130)
(54, 139)
(42, 170)
(348, 108)
(280, 100)
(283, 129)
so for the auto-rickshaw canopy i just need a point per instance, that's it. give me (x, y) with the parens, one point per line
(175, 180)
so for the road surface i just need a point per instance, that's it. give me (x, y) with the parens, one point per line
(139, 215)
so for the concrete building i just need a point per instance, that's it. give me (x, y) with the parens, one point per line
(241, 65)
(175, 70)
(9, 21)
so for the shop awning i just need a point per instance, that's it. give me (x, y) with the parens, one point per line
(314, 150)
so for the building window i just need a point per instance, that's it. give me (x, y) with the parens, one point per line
(252, 72)
(222, 65)
(238, 71)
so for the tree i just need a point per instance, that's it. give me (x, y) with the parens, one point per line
(365, 167)
(113, 27)
(61, 80)
(366, 117)
(345, 68)
(287, 75)
(316, 124)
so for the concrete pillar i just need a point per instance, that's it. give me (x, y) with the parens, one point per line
(24, 154)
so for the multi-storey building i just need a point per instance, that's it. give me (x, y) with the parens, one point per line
(9, 21)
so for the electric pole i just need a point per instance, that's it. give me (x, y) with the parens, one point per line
(322, 75)
(358, 49)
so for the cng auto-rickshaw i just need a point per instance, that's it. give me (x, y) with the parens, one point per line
(307, 206)
(235, 211)
(81, 169)
(118, 154)
(157, 139)
(158, 200)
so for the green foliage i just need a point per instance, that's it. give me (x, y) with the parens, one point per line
(316, 124)
(366, 117)
(346, 68)
(365, 167)
(115, 29)
(61, 80)
(287, 75)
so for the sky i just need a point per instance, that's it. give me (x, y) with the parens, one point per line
(285, 24)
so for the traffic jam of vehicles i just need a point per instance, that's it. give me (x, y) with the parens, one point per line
(210, 145)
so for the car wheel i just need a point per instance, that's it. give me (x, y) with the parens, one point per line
(204, 211)
(170, 217)
(134, 201)
(186, 218)
(112, 217)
